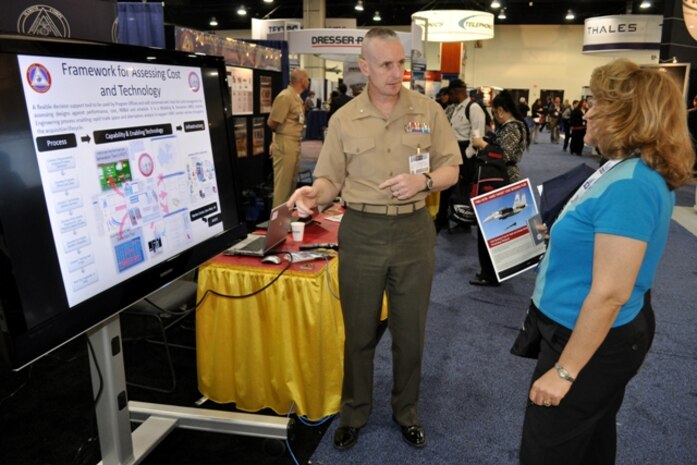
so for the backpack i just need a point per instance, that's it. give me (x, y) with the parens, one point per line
(487, 116)
(491, 172)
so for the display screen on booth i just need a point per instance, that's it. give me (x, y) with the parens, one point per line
(117, 177)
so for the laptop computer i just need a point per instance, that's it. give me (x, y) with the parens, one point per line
(256, 245)
(311, 218)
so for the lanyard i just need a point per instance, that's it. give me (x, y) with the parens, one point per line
(592, 179)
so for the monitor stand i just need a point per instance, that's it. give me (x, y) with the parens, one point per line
(120, 446)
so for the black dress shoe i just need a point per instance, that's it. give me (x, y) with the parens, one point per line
(345, 437)
(480, 280)
(413, 435)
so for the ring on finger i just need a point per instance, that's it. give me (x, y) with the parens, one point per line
(547, 403)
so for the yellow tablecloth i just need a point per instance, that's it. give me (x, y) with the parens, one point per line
(433, 203)
(281, 347)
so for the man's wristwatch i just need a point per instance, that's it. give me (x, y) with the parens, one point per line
(563, 374)
(429, 182)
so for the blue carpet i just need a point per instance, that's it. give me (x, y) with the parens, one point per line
(473, 391)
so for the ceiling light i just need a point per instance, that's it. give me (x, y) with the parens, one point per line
(268, 1)
(645, 4)
(242, 11)
(359, 5)
(495, 4)
(502, 14)
(213, 22)
(570, 15)
(376, 16)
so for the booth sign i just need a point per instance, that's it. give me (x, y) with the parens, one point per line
(622, 32)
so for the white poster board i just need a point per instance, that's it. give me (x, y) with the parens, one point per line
(507, 218)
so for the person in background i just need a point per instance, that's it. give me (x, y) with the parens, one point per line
(566, 121)
(310, 101)
(340, 100)
(553, 118)
(385, 151)
(443, 97)
(464, 129)
(286, 120)
(538, 116)
(356, 89)
(577, 121)
(513, 136)
(524, 109)
(591, 302)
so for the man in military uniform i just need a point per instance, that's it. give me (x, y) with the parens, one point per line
(385, 151)
(287, 119)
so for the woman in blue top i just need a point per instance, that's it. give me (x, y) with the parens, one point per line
(591, 302)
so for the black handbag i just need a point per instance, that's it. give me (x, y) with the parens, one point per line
(527, 344)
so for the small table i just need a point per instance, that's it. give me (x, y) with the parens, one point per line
(281, 348)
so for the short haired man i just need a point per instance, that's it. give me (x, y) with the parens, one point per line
(287, 119)
(465, 123)
(385, 151)
(340, 100)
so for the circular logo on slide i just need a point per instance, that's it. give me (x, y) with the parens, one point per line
(194, 81)
(146, 164)
(38, 78)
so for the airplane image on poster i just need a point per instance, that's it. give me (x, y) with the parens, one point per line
(519, 204)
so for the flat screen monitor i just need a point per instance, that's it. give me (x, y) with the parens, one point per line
(117, 175)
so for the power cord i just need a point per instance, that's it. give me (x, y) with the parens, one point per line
(84, 452)
(327, 274)
(99, 371)
(21, 386)
(305, 422)
(251, 294)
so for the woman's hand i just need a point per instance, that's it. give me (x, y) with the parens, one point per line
(542, 228)
(549, 389)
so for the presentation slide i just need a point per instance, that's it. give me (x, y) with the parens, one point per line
(126, 165)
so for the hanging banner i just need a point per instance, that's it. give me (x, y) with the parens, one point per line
(66, 19)
(622, 33)
(455, 25)
(334, 44)
(263, 29)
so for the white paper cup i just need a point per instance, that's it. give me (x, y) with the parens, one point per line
(298, 230)
(475, 133)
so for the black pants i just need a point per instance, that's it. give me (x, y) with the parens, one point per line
(567, 134)
(577, 136)
(582, 430)
(486, 267)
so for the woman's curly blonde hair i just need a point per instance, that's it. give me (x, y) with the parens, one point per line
(638, 109)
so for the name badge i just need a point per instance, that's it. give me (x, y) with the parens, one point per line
(419, 162)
